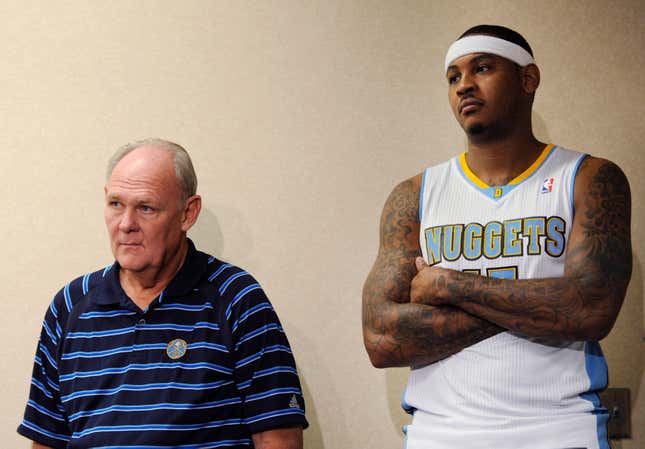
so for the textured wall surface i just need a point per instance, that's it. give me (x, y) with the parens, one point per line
(301, 117)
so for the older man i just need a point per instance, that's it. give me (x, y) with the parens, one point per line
(167, 347)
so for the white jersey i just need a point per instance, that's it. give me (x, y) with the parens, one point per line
(507, 391)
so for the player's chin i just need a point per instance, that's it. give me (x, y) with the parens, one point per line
(474, 129)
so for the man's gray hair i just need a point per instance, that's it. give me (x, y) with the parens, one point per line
(181, 160)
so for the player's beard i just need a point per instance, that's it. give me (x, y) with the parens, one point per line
(475, 129)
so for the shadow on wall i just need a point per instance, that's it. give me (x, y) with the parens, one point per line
(208, 237)
(313, 438)
(207, 234)
(629, 356)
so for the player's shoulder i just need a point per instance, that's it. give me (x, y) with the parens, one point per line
(406, 190)
(599, 173)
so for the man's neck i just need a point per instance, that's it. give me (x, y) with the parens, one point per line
(499, 162)
(143, 287)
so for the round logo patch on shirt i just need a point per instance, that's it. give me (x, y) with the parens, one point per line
(176, 348)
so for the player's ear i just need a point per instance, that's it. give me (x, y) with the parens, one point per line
(530, 78)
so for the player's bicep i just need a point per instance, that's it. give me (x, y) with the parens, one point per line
(393, 269)
(600, 242)
(599, 256)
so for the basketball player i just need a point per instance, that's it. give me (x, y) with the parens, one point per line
(500, 270)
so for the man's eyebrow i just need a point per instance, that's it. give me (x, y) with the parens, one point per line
(484, 57)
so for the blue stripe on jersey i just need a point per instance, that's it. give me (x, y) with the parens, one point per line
(238, 297)
(41, 387)
(106, 270)
(229, 281)
(45, 432)
(155, 427)
(140, 347)
(53, 309)
(145, 387)
(121, 350)
(573, 181)
(41, 409)
(48, 356)
(50, 333)
(113, 313)
(407, 408)
(211, 445)
(68, 298)
(423, 187)
(249, 312)
(259, 331)
(597, 371)
(185, 307)
(273, 392)
(157, 406)
(286, 411)
(257, 355)
(174, 327)
(86, 280)
(146, 367)
(218, 271)
(267, 372)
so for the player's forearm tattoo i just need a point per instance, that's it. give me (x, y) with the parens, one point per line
(396, 332)
(584, 303)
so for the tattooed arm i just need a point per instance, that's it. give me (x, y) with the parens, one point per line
(396, 332)
(581, 305)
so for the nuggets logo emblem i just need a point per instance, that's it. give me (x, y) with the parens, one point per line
(176, 348)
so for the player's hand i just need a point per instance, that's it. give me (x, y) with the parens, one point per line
(428, 284)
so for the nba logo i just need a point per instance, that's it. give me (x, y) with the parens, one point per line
(547, 185)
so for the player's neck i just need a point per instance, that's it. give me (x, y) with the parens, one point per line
(497, 162)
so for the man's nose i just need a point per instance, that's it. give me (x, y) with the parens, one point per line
(128, 221)
(465, 84)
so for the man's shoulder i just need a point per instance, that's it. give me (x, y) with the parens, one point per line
(77, 289)
(227, 277)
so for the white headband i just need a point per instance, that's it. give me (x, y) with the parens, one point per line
(488, 44)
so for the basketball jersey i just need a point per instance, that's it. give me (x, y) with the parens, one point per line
(507, 391)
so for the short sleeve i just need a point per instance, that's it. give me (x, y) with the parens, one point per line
(265, 369)
(44, 420)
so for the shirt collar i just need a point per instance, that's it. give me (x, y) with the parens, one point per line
(184, 281)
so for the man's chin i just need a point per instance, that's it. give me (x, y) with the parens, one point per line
(130, 263)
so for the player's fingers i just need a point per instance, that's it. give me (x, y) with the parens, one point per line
(420, 263)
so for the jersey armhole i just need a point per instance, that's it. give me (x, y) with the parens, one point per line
(574, 175)
(421, 193)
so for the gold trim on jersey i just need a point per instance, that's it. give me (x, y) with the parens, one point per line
(519, 178)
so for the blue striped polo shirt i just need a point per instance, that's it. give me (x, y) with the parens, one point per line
(206, 365)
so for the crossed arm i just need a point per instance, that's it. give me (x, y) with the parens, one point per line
(397, 332)
(581, 305)
(462, 308)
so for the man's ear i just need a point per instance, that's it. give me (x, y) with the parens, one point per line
(530, 78)
(192, 207)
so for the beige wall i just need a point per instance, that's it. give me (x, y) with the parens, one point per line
(301, 116)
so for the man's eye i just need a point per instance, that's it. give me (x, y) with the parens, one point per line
(146, 209)
(482, 68)
(114, 204)
(453, 79)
